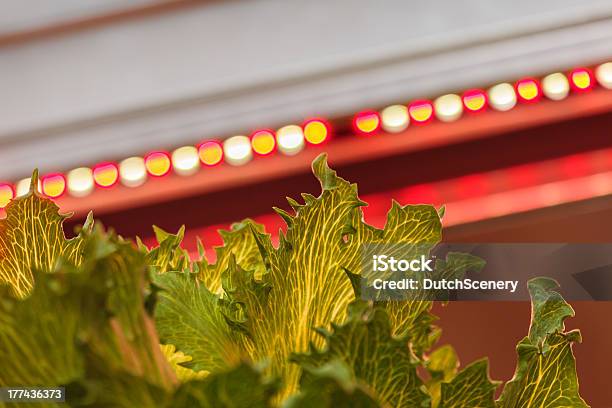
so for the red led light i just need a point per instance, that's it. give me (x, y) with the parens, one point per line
(528, 90)
(316, 131)
(263, 142)
(7, 193)
(106, 174)
(366, 122)
(211, 153)
(581, 80)
(474, 100)
(421, 111)
(158, 164)
(53, 185)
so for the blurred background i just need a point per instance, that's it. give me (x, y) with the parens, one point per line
(206, 112)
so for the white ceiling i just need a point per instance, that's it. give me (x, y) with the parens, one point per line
(232, 66)
(26, 15)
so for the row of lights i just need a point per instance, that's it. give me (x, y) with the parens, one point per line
(501, 97)
(290, 140)
(185, 161)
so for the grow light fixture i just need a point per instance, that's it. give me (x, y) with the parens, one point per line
(237, 150)
(555, 86)
(474, 100)
(316, 131)
(581, 79)
(502, 97)
(80, 181)
(185, 160)
(263, 142)
(105, 175)
(528, 90)
(603, 73)
(290, 139)
(158, 164)
(6, 194)
(366, 122)
(23, 187)
(395, 118)
(210, 153)
(53, 185)
(421, 111)
(133, 171)
(448, 108)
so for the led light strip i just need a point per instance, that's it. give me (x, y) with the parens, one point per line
(500, 97)
(290, 140)
(187, 160)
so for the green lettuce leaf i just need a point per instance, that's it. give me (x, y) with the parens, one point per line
(241, 386)
(472, 387)
(239, 246)
(412, 318)
(190, 317)
(177, 359)
(238, 243)
(364, 343)
(31, 237)
(331, 386)
(168, 255)
(237, 387)
(442, 365)
(305, 282)
(83, 320)
(546, 372)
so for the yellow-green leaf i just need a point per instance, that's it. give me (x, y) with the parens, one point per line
(238, 243)
(192, 318)
(31, 237)
(85, 323)
(306, 273)
(332, 386)
(241, 386)
(168, 255)
(364, 343)
(546, 372)
(442, 365)
(177, 359)
(472, 387)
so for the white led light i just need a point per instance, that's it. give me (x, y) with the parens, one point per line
(23, 187)
(80, 181)
(133, 171)
(502, 97)
(395, 118)
(448, 108)
(237, 150)
(185, 160)
(290, 139)
(603, 73)
(555, 86)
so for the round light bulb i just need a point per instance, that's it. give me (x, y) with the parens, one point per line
(603, 73)
(133, 171)
(237, 150)
(448, 108)
(555, 86)
(502, 97)
(80, 182)
(185, 160)
(290, 139)
(395, 118)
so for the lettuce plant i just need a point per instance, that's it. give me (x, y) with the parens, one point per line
(122, 325)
